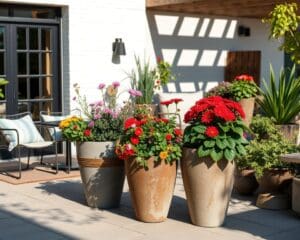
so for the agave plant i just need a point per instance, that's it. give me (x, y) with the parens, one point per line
(281, 101)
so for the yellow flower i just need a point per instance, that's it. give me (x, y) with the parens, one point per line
(163, 155)
(111, 91)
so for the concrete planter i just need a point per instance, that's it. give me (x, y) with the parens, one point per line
(102, 174)
(248, 107)
(151, 190)
(208, 186)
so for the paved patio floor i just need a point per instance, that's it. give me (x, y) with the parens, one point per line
(57, 210)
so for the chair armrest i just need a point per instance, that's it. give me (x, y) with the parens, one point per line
(11, 129)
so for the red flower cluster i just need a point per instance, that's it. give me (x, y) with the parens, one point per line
(173, 100)
(131, 123)
(124, 152)
(214, 109)
(87, 132)
(244, 77)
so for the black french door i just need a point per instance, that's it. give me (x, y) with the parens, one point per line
(29, 60)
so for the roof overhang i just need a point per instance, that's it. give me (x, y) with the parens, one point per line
(230, 8)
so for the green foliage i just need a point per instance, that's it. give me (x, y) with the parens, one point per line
(2, 82)
(229, 144)
(281, 101)
(243, 89)
(150, 137)
(74, 129)
(264, 151)
(143, 80)
(284, 23)
(164, 72)
(222, 89)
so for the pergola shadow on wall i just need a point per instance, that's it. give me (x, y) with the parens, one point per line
(196, 36)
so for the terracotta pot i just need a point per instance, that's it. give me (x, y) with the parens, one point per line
(248, 107)
(102, 174)
(208, 186)
(275, 180)
(245, 182)
(151, 190)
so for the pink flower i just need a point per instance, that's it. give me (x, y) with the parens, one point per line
(135, 93)
(91, 124)
(116, 84)
(101, 86)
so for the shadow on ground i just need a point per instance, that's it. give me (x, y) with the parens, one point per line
(71, 190)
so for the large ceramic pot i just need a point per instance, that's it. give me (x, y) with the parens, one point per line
(245, 182)
(275, 180)
(208, 186)
(102, 174)
(248, 107)
(151, 190)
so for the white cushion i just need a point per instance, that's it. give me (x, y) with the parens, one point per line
(28, 132)
(189, 100)
(54, 132)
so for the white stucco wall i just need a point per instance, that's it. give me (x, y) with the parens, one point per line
(197, 46)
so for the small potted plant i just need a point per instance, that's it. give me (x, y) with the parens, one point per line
(212, 141)
(95, 137)
(146, 79)
(150, 147)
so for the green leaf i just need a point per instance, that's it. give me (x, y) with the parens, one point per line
(238, 130)
(229, 154)
(221, 143)
(225, 128)
(199, 129)
(231, 143)
(241, 149)
(209, 143)
(216, 156)
(203, 152)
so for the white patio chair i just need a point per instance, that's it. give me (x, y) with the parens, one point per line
(20, 131)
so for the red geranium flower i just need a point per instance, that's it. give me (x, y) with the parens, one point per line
(168, 137)
(244, 77)
(138, 131)
(167, 103)
(131, 123)
(211, 131)
(207, 117)
(134, 140)
(87, 132)
(177, 132)
(177, 100)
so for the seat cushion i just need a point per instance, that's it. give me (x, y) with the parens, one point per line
(36, 145)
(26, 128)
(55, 132)
(189, 100)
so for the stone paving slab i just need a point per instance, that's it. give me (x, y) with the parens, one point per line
(57, 210)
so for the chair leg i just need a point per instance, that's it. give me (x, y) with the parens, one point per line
(28, 158)
(56, 159)
(20, 163)
(41, 160)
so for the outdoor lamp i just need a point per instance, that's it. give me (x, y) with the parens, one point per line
(118, 47)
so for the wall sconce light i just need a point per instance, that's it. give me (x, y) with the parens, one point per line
(243, 31)
(118, 47)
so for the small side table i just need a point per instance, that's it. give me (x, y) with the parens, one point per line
(294, 158)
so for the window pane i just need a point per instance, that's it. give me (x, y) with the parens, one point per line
(1, 37)
(4, 11)
(34, 63)
(34, 88)
(33, 38)
(22, 94)
(46, 39)
(46, 63)
(21, 36)
(47, 87)
(22, 60)
(2, 63)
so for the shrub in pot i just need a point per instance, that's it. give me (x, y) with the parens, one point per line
(150, 147)
(212, 140)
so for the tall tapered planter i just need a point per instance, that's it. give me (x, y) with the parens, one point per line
(151, 190)
(208, 186)
(102, 174)
(248, 107)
